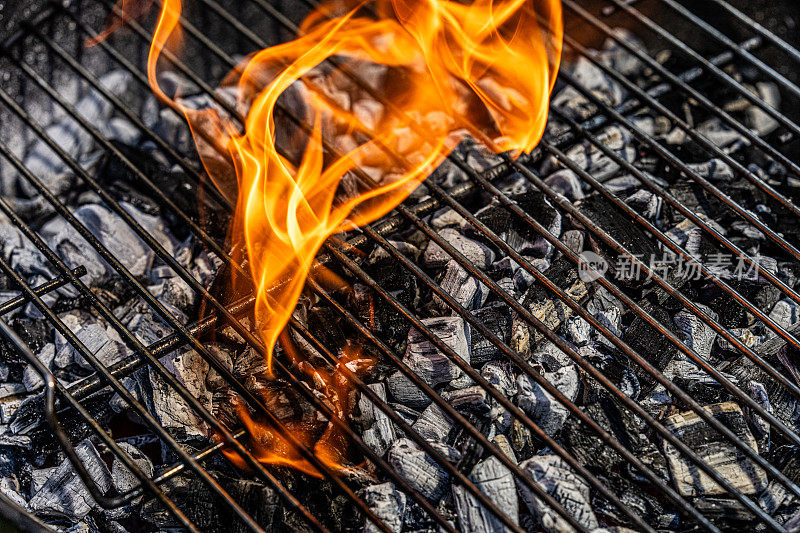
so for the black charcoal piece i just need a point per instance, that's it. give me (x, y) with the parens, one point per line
(727, 460)
(713, 169)
(63, 494)
(476, 253)
(388, 504)
(465, 289)
(122, 478)
(404, 391)
(547, 412)
(646, 204)
(497, 319)
(426, 361)
(420, 471)
(472, 399)
(697, 334)
(556, 478)
(379, 431)
(493, 479)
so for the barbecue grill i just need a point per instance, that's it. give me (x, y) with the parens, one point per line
(693, 58)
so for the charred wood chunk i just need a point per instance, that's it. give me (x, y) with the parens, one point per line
(476, 253)
(420, 470)
(727, 460)
(406, 392)
(697, 334)
(464, 289)
(64, 494)
(379, 433)
(556, 478)
(430, 364)
(648, 342)
(388, 504)
(493, 479)
(433, 424)
(497, 319)
(547, 412)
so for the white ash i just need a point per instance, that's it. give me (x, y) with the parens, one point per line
(558, 480)
(757, 118)
(565, 182)
(646, 204)
(785, 312)
(760, 426)
(495, 480)
(433, 424)
(464, 288)
(419, 470)
(123, 479)
(714, 169)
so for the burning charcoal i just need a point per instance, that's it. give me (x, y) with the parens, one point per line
(714, 450)
(472, 398)
(565, 182)
(420, 471)
(379, 433)
(405, 248)
(164, 402)
(574, 240)
(465, 289)
(548, 413)
(589, 157)
(497, 320)
(557, 479)
(64, 494)
(493, 479)
(427, 361)
(388, 504)
(433, 424)
(618, 58)
(477, 253)
(697, 334)
(550, 357)
(713, 169)
(759, 120)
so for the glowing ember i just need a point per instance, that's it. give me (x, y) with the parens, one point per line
(484, 69)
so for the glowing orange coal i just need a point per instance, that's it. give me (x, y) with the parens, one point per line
(444, 68)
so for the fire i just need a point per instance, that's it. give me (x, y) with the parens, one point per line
(438, 70)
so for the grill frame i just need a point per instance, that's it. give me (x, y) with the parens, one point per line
(189, 334)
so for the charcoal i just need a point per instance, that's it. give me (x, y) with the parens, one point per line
(565, 182)
(618, 58)
(497, 320)
(760, 426)
(388, 504)
(164, 402)
(104, 343)
(404, 391)
(122, 478)
(697, 334)
(611, 319)
(472, 398)
(447, 217)
(379, 433)
(76, 141)
(477, 253)
(9, 486)
(405, 248)
(589, 158)
(433, 424)
(646, 204)
(503, 443)
(551, 357)
(557, 479)
(30, 377)
(759, 120)
(731, 464)
(574, 240)
(63, 494)
(465, 289)
(493, 479)
(548, 413)
(786, 312)
(418, 469)
(713, 169)
(12, 395)
(425, 360)
(578, 330)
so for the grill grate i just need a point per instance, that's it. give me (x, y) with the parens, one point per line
(62, 403)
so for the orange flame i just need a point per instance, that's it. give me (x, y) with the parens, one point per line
(446, 69)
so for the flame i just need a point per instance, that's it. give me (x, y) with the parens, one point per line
(446, 69)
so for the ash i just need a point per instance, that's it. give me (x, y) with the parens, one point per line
(519, 406)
